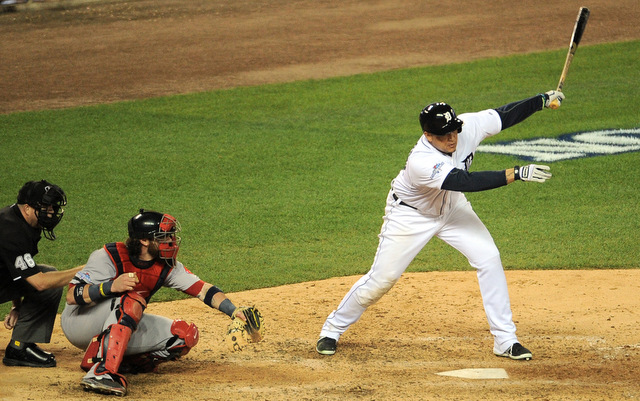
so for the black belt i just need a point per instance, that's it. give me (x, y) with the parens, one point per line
(395, 197)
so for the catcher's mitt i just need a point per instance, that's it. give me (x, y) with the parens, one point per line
(239, 332)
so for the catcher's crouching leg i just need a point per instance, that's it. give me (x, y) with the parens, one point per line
(185, 337)
(95, 347)
(107, 350)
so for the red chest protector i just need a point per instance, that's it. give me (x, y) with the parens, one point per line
(151, 278)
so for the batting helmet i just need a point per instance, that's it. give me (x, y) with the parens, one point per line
(159, 227)
(47, 200)
(439, 119)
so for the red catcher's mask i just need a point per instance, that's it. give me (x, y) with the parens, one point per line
(168, 241)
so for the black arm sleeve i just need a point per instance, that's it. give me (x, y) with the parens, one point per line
(464, 181)
(513, 113)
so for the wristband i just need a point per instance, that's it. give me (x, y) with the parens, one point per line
(78, 294)
(227, 307)
(97, 292)
(208, 298)
(516, 173)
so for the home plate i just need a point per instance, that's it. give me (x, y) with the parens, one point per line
(489, 373)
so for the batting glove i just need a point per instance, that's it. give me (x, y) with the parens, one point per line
(532, 172)
(550, 96)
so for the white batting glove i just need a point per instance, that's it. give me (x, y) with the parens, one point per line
(550, 96)
(532, 172)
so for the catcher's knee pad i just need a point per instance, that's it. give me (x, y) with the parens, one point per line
(129, 311)
(185, 337)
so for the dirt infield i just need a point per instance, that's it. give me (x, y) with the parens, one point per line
(582, 326)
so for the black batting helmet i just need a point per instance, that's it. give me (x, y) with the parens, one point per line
(47, 199)
(159, 227)
(439, 119)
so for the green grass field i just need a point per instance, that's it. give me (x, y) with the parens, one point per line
(286, 183)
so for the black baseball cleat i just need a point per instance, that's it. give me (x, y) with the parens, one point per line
(30, 355)
(326, 346)
(517, 352)
(103, 385)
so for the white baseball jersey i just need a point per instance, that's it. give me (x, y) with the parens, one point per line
(419, 183)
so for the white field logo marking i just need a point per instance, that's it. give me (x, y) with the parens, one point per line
(570, 146)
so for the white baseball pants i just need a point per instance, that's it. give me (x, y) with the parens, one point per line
(404, 233)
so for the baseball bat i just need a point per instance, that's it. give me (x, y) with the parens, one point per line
(578, 30)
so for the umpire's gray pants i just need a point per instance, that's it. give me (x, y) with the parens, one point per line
(37, 312)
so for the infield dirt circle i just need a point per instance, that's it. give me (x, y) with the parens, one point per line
(582, 326)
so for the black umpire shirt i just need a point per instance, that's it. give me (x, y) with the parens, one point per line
(18, 246)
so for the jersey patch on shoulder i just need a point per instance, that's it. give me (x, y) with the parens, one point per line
(85, 277)
(437, 169)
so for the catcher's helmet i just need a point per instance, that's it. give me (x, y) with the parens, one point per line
(159, 227)
(47, 200)
(439, 119)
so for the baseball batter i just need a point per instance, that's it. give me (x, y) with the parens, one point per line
(426, 200)
(106, 302)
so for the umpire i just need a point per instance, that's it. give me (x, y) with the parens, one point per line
(34, 289)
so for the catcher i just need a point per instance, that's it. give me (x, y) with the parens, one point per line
(107, 298)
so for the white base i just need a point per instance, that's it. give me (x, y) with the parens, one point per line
(489, 373)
